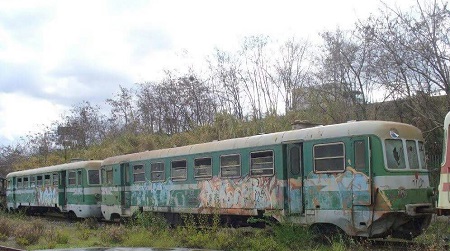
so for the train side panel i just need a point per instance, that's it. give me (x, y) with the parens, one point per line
(72, 188)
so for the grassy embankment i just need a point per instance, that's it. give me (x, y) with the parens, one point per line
(33, 233)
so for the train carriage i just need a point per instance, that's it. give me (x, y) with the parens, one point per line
(71, 188)
(365, 178)
(443, 207)
(2, 193)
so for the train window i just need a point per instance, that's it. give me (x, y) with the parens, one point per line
(47, 180)
(395, 154)
(329, 157)
(19, 183)
(109, 176)
(261, 163)
(360, 154)
(230, 165)
(79, 178)
(39, 180)
(138, 173)
(25, 182)
(55, 179)
(32, 181)
(203, 168)
(295, 160)
(157, 171)
(422, 155)
(413, 157)
(94, 177)
(179, 170)
(72, 178)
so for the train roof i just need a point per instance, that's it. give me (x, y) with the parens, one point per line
(382, 129)
(91, 164)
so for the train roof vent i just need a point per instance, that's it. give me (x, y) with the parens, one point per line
(302, 124)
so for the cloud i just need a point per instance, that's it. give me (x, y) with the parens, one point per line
(18, 110)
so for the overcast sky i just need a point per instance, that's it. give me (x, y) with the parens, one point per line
(55, 54)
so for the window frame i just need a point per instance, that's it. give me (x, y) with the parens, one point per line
(326, 158)
(26, 183)
(74, 178)
(222, 167)
(32, 181)
(422, 166)
(89, 171)
(142, 172)
(57, 179)
(163, 171)
(172, 169)
(19, 182)
(357, 158)
(47, 179)
(255, 158)
(39, 184)
(210, 168)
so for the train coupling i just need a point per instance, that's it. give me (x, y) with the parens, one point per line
(419, 209)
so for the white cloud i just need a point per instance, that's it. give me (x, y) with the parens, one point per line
(21, 115)
(54, 54)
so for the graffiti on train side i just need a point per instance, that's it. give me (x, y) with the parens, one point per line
(46, 196)
(248, 192)
(336, 191)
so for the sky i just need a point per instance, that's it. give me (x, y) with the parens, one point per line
(56, 54)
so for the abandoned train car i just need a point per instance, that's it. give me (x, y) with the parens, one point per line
(366, 178)
(71, 188)
(2, 193)
(443, 206)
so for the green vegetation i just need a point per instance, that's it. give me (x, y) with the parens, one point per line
(149, 230)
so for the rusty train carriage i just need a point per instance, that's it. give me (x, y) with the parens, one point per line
(72, 188)
(366, 178)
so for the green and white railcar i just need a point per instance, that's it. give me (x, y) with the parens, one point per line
(72, 188)
(365, 178)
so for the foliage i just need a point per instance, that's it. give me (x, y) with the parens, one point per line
(28, 233)
(7, 227)
(113, 234)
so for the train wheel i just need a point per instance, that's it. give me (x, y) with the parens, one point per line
(327, 233)
(71, 215)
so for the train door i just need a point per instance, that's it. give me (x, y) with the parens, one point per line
(62, 189)
(361, 184)
(12, 186)
(124, 185)
(80, 186)
(296, 200)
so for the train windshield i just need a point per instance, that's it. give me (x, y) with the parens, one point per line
(404, 154)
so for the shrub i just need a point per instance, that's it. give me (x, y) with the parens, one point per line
(26, 234)
(150, 221)
(113, 234)
(6, 228)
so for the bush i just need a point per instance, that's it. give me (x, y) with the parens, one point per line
(150, 221)
(26, 234)
(56, 236)
(6, 228)
(113, 234)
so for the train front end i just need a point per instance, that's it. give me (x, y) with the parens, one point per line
(402, 194)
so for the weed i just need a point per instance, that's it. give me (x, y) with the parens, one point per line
(26, 234)
(84, 234)
(150, 221)
(113, 234)
(6, 228)
(289, 235)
